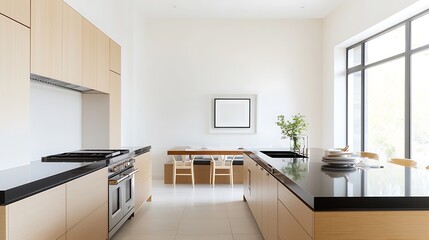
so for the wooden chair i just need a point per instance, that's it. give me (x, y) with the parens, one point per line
(404, 162)
(369, 155)
(186, 163)
(224, 163)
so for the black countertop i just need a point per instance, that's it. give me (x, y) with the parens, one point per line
(392, 187)
(21, 182)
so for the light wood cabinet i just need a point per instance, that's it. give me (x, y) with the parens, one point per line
(143, 179)
(41, 216)
(269, 206)
(115, 110)
(19, 10)
(95, 226)
(260, 191)
(15, 87)
(103, 83)
(72, 46)
(288, 226)
(46, 38)
(85, 195)
(303, 214)
(115, 57)
(3, 221)
(90, 55)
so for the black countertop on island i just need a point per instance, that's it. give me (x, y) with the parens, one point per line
(392, 187)
(24, 181)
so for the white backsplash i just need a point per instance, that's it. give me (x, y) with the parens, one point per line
(55, 120)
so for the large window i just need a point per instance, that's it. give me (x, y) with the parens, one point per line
(388, 92)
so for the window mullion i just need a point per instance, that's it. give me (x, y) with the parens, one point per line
(408, 89)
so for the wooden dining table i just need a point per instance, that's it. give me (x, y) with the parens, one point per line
(198, 152)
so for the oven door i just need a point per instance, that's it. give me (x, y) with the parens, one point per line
(121, 196)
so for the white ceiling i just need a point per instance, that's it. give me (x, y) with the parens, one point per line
(236, 8)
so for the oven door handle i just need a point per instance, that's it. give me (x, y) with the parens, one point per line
(116, 182)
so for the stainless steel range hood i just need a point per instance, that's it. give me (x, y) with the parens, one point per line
(59, 83)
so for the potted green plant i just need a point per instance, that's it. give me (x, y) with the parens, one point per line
(293, 130)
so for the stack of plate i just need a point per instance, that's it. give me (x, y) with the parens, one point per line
(338, 158)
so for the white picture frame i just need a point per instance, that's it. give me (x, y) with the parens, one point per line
(232, 113)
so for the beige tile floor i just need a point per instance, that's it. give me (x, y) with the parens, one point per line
(186, 213)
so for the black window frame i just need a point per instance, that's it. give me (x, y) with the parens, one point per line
(363, 66)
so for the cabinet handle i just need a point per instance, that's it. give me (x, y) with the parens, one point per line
(267, 174)
(262, 169)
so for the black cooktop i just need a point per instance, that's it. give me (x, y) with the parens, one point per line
(86, 155)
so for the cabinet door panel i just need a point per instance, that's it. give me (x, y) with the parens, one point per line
(288, 227)
(90, 55)
(115, 110)
(14, 90)
(300, 211)
(115, 57)
(143, 179)
(93, 227)
(46, 38)
(103, 63)
(246, 177)
(41, 216)
(84, 195)
(3, 221)
(19, 10)
(72, 46)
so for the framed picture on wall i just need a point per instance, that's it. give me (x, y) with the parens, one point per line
(232, 113)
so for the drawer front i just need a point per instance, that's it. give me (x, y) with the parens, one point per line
(85, 195)
(93, 227)
(41, 216)
(288, 226)
(300, 211)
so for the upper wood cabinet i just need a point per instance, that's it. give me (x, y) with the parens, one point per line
(90, 55)
(19, 10)
(15, 87)
(115, 110)
(103, 83)
(115, 57)
(46, 38)
(72, 46)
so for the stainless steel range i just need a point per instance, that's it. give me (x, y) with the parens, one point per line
(121, 193)
(120, 180)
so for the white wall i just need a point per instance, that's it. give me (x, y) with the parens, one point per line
(350, 23)
(55, 120)
(188, 61)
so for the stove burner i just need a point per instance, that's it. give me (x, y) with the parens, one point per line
(84, 155)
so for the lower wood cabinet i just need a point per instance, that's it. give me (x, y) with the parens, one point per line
(260, 191)
(143, 179)
(269, 206)
(85, 195)
(288, 226)
(94, 227)
(74, 210)
(41, 216)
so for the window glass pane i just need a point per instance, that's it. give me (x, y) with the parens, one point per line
(420, 103)
(354, 111)
(419, 31)
(354, 56)
(386, 45)
(384, 113)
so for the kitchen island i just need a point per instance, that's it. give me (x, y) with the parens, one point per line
(298, 199)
